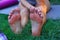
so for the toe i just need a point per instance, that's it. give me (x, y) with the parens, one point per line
(9, 17)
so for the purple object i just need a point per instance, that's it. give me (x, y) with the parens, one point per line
(6, 3)
(3, 36)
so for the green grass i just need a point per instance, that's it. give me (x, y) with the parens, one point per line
(56, 2)
(50, 30)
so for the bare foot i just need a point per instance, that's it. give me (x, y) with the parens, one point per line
(37, 22)
(14, 21)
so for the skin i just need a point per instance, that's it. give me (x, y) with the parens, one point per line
(41, 7)
(14, 21)
(45, 6)
(24, 15)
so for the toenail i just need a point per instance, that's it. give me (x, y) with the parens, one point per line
(41, 16)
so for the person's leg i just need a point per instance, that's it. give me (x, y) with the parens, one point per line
(37, 22)
(39, 18)
(14, 21)
(24, 15)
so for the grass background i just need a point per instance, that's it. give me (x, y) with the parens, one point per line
(50, 30)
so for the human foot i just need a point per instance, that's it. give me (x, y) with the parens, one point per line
(14, 21)
(37, 22)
